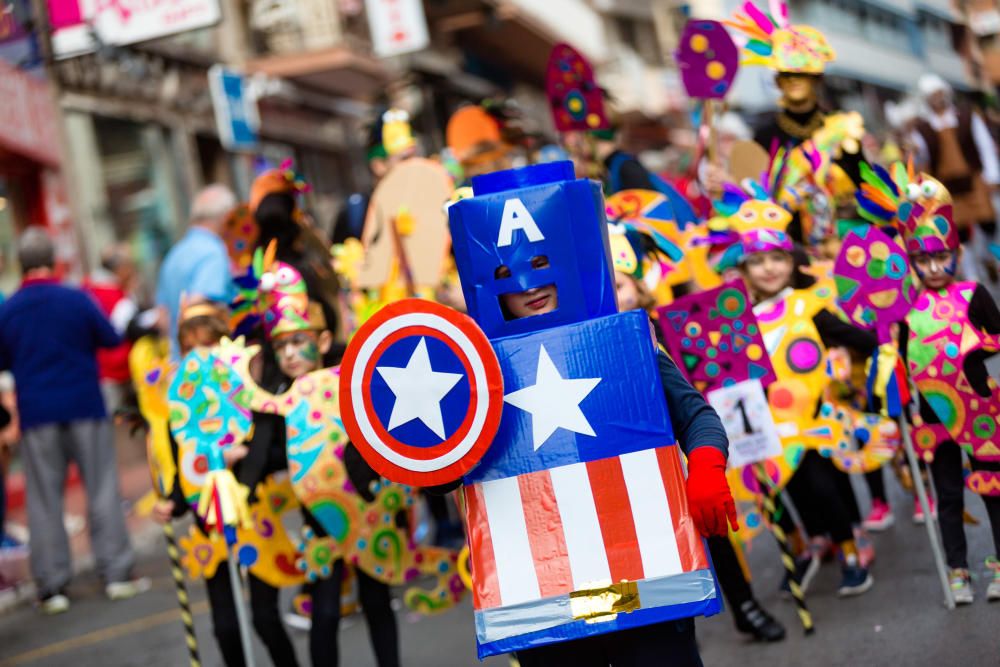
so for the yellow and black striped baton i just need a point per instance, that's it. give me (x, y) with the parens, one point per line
(787, 557)
(182, 595)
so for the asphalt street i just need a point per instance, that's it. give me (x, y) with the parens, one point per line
(902, 621)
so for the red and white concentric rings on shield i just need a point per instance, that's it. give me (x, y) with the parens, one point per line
(457, 454)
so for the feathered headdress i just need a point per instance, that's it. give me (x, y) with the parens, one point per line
(775, 43)
(751, 219)
(916, 207)
(635, 245)
(274, 294)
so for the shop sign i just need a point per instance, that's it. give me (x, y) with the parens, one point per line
(81, 26)
(235, 108)
(397, 26)
(29, 121)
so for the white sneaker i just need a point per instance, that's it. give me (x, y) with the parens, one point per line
(297, 621)
(123, 590)
(961, 586)
(54, 604)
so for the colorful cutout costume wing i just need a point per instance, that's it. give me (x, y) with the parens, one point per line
(654, 209)
(365, 534)
(208, 415)
(941, 337)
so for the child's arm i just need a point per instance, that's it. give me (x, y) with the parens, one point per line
(983, 311)
(699, 431)
(835, 332)
(266, 451)
(695, 423)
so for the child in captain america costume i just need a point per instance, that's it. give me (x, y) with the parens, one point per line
(585, 540)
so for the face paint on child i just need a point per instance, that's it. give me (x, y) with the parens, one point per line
(936, 270)
(297, 353)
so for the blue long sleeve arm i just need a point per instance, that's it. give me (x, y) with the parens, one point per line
(695, 423)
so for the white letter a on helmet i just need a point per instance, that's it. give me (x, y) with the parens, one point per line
(516, 216)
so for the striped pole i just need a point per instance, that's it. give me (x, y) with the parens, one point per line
(182, 595)
(787, 557)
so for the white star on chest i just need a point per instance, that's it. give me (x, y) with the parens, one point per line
(553, 401)
(418, 389)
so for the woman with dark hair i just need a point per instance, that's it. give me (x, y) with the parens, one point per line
(274, 202)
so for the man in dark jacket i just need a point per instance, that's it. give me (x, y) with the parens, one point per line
(49, 337)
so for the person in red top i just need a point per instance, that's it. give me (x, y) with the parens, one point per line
(110, 285)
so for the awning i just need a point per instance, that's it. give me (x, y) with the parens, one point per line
(337, 70)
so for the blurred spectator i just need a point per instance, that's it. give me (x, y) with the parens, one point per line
(49, 336)
(111, 286)
(955, 146)
(198, 264)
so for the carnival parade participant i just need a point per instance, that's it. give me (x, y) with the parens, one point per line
(203, 324)
(947, 370)
(763, 253)
(297, 340)
(531, 284)
(824, 148)
(632, 250)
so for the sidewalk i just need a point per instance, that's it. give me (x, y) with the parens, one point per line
(134, 483)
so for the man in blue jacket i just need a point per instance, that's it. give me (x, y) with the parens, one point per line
(49, 336)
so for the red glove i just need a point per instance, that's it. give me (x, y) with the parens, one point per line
(708, 493)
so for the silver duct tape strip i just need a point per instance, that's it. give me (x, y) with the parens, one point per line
(520, 619)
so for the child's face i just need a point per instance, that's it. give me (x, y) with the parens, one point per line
(627, 290)
(936, 270)
(767, 273)
(536, 301)
(298, 352)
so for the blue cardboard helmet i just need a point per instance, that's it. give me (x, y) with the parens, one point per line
(517, 219)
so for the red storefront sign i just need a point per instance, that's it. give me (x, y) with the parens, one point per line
(29, 120)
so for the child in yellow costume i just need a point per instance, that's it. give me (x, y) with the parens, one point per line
(354, 518)
(798, 326)
(263, 547)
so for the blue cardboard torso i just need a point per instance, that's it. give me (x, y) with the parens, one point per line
(608, 384)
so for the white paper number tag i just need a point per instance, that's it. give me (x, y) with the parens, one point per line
(747, 418)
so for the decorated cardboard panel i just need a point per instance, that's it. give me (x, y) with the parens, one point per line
(874, 286)
(587, 449)
(715, 339)
(708, 59)
(941, 338)
(406, 220)
(574, 98)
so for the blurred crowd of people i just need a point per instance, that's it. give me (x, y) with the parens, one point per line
(66, 349)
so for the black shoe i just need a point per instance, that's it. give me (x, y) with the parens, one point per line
(752, 619)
